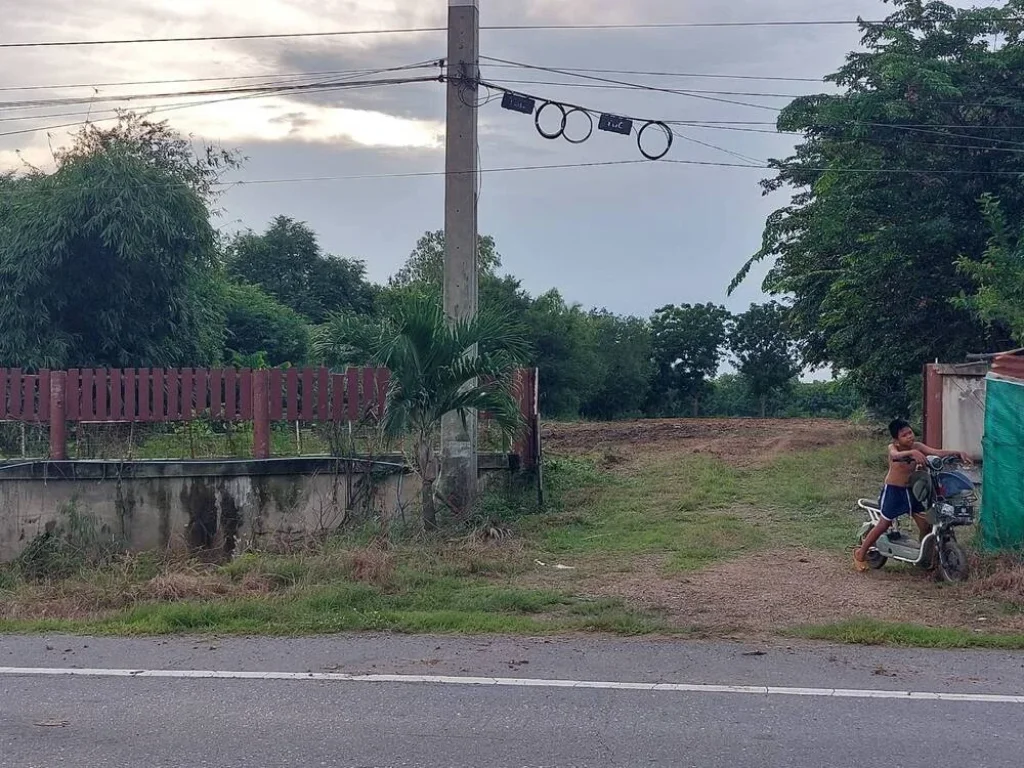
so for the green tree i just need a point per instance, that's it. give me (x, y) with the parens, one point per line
(688, 342)
(765, 353)
(287, 263)
(425, 264)
(432, 374)
(887, 182)
(999, 277)
(257, 323)
(834, 399)
(729, 398)
(625, 366)
(111, 259)
(564, 352)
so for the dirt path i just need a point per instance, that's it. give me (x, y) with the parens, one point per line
(739, 441)
(777, 588)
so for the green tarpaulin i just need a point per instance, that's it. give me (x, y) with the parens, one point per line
(1002, 494)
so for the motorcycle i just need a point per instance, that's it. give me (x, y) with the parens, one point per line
(949, 499)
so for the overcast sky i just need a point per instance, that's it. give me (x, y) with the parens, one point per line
(628, 238)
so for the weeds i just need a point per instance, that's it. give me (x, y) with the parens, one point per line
(681, 512)
(871, 632)
(75, 542)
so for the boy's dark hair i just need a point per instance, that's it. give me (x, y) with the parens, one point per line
(896, 426)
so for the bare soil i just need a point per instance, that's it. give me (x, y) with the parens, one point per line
(739, 441)
(765, 592)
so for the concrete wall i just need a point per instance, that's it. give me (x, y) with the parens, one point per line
(963, 414)
(213, 507)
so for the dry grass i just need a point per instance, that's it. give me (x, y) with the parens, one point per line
(372, 566)
(731, 528)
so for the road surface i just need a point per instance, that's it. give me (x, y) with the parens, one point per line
(388, 701)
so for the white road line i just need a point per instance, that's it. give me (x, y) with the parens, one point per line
(514, 682)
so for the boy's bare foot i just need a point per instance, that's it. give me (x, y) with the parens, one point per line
(860, 565)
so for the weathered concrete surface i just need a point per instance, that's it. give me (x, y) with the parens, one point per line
(212, 506)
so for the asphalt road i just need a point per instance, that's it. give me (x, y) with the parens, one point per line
(516, 711)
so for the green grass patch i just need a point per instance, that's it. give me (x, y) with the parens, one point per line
(411, 601)
(871, 632)
(689, 512)
(699, 509)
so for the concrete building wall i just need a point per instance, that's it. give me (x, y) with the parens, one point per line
(963, 414)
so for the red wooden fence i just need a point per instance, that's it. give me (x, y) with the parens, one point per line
(172, 395)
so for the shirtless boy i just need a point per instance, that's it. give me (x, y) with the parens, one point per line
(905, 455)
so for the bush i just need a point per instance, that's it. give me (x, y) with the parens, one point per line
(73, 544)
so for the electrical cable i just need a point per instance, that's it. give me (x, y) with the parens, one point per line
(606, 163)
(566, 108)
(669, 134)
(643, 87)
(277, 88)
(652, 88)
(322, 88)
(590, 129)
(696, 76)
(266, 76)
(270, 88)
(426, 30)
(551, 135)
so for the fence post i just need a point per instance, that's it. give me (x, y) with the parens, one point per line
(526, 382)
(58, 416)
(261, 414)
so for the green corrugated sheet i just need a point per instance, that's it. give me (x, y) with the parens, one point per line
(1002, 504)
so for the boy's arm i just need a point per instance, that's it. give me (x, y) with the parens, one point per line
(913, 453)
(927, 450)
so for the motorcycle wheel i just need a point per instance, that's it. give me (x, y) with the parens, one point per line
(875, 560)
(953, 562)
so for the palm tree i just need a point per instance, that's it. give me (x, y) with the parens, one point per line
(437, 368)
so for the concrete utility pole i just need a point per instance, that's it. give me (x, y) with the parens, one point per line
(458, 439)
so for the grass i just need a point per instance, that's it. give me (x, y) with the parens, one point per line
(697, 509)
(202, 439)
(431, 587)
(685, 512)
(870, 632)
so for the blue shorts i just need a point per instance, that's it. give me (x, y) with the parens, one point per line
(896, 502)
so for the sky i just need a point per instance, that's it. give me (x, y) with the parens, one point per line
(628, 238)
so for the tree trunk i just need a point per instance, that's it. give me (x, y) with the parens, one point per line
(428, 469)
(429, 510)
(696, 407)
(764, 406)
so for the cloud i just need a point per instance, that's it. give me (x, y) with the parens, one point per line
(237, 120)
(630, 237)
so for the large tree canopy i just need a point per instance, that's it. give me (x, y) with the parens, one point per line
(688, 342)
(287, 262)
(999, 276)
(110, 260)
(425, 264)
(764, 352)
(888, 181)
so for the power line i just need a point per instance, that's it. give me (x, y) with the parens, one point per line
(275, 87)
(317, 88)
(427, 30)
(597, 164)
(605, 163)
(567, 108)
(696, 76)
(639, 86)
(715, 147)
(216, 38)
(270, 76)
(427, 174)
(927, 129)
